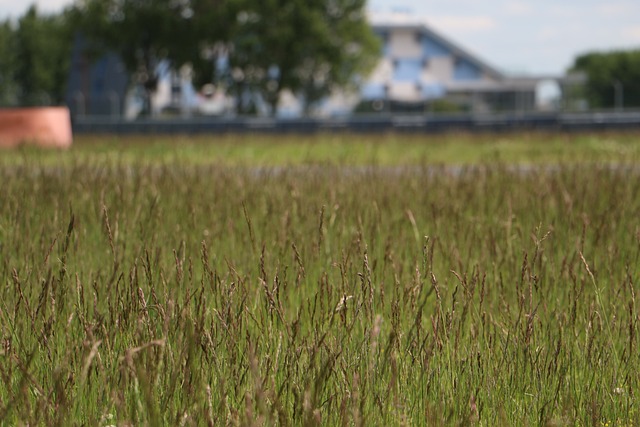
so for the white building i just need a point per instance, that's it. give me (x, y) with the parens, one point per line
(421, 70)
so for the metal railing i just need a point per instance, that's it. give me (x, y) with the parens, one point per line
(369, 123)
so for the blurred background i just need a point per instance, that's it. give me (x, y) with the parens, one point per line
(130, 59)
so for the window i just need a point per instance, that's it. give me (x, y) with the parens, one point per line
(407, 69)
(465, 70)
(374, 91)
(432, 47)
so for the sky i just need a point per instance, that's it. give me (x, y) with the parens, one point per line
(515, 36)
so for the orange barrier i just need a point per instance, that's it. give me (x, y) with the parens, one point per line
(46, 126)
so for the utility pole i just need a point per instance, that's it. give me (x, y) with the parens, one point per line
(618, 95)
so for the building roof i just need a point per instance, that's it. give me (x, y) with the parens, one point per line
(394, 21)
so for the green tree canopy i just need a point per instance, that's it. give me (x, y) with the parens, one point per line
(608, 73)
(8, 84)
(255, 47)
(142, 33)
(34, 59)
(310, 48)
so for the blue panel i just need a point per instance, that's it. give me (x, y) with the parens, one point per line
(432, 91)
(98, 77)
(373, 91)
(407, 70)
(432, 48)
(465, 70)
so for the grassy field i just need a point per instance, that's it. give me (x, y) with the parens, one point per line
(345, 149)
(192, 283)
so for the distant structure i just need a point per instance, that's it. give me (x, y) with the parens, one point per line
(95, 87)
(421, 70)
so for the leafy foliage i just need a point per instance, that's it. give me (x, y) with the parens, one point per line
(34, 59)
(605, 71)
(308, 48)
(255, 49)
(8, 85)
(142, 32)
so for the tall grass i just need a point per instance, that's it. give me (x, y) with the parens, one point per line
(176, 294)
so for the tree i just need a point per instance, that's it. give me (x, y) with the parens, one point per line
(338, 53)
(8, 84)
(34, 59)
(612, 77)
(142, 32)
(310, 48)
(251, 47)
